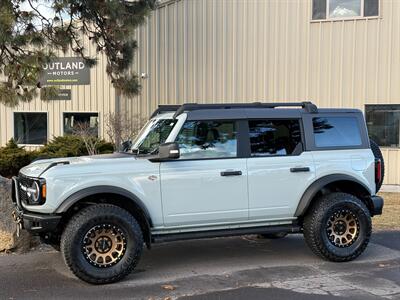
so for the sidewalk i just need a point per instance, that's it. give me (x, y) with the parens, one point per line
(390, 188)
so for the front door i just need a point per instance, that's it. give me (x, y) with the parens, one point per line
(208, 184)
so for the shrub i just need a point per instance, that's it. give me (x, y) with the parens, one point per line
(13, 158)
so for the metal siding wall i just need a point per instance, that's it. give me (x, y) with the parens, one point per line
(99, 97)
(268, 50)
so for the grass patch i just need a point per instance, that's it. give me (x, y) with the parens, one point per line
(390, 218)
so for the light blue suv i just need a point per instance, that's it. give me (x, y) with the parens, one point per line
(200, 171)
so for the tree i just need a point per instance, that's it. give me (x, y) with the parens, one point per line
(120, 128)
(85, 132)
(29, 38)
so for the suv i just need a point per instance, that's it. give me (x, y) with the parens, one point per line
(209, 170)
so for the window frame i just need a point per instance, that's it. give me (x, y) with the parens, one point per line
(80, 112)
(31, 112)
(309, 131)
(361, 17)
(302, 137)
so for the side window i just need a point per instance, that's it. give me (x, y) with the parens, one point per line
(208, 139)
(274, 137)
(336, 132)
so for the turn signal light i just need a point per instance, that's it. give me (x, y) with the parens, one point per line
(44, 191)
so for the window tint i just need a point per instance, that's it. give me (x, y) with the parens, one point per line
(207, 139)
(274, 137)
(319, 9)
(371, 8)
(76, 122)
(336, 132)
(30, 128)
(383, 122)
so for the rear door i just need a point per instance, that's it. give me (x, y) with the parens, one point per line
(279, 170)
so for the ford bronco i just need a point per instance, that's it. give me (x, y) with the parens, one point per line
(209, 170)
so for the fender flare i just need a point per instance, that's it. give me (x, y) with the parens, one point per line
(317, 185)
(104, 189)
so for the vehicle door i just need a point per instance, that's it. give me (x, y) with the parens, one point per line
(279, 170)
(208, 183)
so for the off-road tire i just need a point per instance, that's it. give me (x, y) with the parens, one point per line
(72, 241)
(378, 155)
(273, 236)
(315, 226)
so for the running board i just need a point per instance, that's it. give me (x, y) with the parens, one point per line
(170, 237)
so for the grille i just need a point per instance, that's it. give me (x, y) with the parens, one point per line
(27, 182)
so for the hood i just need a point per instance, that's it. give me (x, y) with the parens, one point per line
(39, 167)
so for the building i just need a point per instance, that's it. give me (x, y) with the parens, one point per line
(337, 53)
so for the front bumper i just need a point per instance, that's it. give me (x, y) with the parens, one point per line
(376, 204)
(33, 222)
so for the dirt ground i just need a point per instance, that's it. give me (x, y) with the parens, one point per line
(390, 218)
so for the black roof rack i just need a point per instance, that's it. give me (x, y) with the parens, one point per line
(306, 105)
(165, 108)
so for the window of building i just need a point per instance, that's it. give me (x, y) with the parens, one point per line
(383, 122)
(207, 139)
(76, 122)
(274, 137)
(336, 132)
(30, 128)
(341, 9)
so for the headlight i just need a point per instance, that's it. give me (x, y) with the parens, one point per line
(34, 192)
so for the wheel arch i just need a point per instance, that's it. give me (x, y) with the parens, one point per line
(335, 182)
(111, 195)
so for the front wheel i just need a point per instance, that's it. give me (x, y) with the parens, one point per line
(338, 227)
(102, 244)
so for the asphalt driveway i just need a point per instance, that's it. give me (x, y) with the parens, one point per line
(228, 268)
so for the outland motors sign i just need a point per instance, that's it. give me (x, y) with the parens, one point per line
(65, 71)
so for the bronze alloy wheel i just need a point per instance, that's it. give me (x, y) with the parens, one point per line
(343, 228)
(104, 245)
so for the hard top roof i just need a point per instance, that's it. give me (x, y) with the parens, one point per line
(245, 110)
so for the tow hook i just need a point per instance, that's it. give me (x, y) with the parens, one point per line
(18, 221)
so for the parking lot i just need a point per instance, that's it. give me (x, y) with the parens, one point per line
(225, 268)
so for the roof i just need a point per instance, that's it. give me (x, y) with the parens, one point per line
(245, 110)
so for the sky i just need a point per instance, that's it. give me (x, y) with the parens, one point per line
(43, 7)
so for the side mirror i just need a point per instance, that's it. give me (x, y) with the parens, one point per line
(168, 151)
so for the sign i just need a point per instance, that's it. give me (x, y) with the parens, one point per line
(65, 71)
(63, 94)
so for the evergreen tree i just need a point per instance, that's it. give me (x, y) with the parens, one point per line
(29, 39)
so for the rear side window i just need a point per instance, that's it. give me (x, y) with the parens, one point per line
(275, 137)
(336, 132)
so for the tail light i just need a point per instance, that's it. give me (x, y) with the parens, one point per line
(378, 170)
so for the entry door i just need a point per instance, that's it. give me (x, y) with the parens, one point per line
(279, 170)
(208, 184)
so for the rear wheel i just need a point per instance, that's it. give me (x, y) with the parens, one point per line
(102, 244)
(338, 227)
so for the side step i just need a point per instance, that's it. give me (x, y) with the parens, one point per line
(170, 237)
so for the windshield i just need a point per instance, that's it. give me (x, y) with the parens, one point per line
(153, 135)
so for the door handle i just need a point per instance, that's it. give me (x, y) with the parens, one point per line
(231, 173)
(300, 169)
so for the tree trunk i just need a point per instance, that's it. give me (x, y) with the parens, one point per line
(8, 237)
